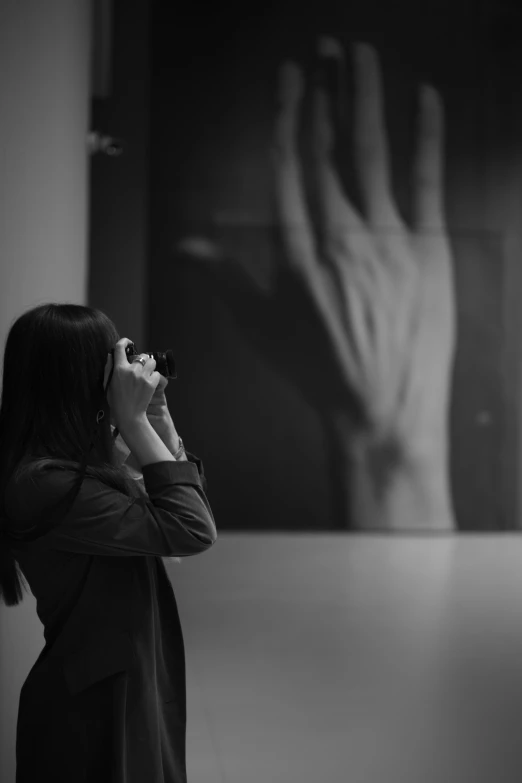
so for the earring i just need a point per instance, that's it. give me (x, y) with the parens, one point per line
(99, 416)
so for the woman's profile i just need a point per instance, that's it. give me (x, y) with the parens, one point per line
(105, 700)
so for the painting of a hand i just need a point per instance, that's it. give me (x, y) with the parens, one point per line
(381, 292)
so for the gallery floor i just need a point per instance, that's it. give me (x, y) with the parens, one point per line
(328, 659)
(317, 658)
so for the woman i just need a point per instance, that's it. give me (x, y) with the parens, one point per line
(105, 701)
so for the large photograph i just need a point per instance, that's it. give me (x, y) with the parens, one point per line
(335, 252)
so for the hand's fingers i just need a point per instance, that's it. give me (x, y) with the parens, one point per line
(293, 215)
(347, 242)
(371, 152)
(289, 191)
(162, 385)
(428, 197)
(341, 221)
(331, 53)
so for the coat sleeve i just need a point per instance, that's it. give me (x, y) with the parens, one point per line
(174, 519)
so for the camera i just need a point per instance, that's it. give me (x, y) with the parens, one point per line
(165, 363)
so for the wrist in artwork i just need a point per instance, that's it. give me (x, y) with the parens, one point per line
(389, 490)
(394, 484)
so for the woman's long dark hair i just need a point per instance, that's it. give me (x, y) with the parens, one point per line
(53, 368)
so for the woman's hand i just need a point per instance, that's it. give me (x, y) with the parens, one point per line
(158, 415)
(158, 398)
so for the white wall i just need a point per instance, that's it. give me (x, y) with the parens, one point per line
(44, 113)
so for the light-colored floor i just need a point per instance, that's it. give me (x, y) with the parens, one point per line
(336, 659)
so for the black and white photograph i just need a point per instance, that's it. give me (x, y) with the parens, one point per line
(261, 391)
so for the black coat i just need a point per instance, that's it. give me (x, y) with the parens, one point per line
(105, 701)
